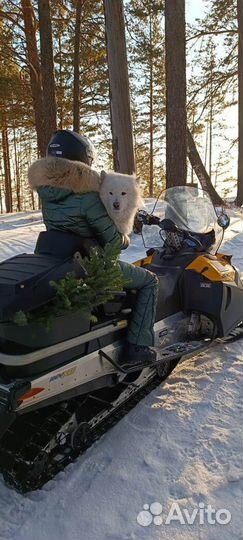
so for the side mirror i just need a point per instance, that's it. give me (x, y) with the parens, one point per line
(223, 221)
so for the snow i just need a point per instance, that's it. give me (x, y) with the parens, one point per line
(18, 233)
(182, 444)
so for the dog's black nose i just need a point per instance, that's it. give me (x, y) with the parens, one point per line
(116, 205)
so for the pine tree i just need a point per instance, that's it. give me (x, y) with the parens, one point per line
(121, 119)
(80, 4)
(33, 63)
(239, 198)
(176, 113)
(14, 111)
(215, 84)
(23, 116)
(47, 68)
(146, 46)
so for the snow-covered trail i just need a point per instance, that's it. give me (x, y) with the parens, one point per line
(18, 233)
(183, 443)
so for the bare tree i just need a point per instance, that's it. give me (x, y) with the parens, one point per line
(121, 119)
(200, 170)
(176, 118)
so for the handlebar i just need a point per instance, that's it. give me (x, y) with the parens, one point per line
(149, 219)
(144, 218)
(172, 236)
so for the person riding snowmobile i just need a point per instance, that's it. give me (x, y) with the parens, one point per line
(69, 193)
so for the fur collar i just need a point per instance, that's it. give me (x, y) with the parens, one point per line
(64, 174)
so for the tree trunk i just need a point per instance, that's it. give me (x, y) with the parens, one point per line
(151, 111)
(1, 191)
(239, 199)
(47, 68)
(211, 119)
(176, 119)
(60, 100)
(193, 128)
(17, 175)
(7, 173)
(200, 170)
(210, 138)
(121, 119)
(76, 64)
(35, 74)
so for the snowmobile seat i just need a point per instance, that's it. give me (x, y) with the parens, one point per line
(25, 281)
(63, 244)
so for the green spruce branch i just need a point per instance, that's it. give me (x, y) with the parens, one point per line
(102, 277)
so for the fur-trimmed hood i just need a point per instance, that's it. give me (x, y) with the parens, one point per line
(64, 174)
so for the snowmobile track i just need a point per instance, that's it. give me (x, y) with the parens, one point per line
(26, 465)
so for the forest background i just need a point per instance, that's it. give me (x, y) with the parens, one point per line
(67, 39)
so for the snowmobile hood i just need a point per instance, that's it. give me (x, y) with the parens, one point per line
(62, 177)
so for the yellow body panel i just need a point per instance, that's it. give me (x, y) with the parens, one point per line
(213, 268)
(143, 262)
(122, 324)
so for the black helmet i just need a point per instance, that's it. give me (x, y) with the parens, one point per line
(70, 145)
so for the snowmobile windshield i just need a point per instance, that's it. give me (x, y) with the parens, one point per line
(188, 209)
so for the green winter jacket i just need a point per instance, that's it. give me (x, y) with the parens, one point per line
(69, 193)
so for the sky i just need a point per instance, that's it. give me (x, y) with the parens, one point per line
(194, 9)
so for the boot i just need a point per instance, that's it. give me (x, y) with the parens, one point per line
(137, 356)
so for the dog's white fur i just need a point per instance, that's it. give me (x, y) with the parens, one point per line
(120, 194)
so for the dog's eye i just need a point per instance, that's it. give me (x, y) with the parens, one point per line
(111, 193)
(123, 193)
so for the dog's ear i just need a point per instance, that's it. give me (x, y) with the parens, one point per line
(103, 175)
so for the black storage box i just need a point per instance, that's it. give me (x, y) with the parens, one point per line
(36, 336)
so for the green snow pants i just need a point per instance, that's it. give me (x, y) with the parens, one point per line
(140, 330)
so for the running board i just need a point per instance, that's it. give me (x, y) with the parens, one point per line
(176, 351)
(182, 349)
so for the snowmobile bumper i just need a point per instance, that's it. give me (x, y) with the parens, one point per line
(10, 398)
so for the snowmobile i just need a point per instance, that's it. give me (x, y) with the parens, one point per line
(60, 391)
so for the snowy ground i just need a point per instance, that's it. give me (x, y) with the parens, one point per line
(181, 445)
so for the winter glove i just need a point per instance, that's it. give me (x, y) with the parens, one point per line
(125, 241)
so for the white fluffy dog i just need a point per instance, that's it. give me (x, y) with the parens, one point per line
(120, 194)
